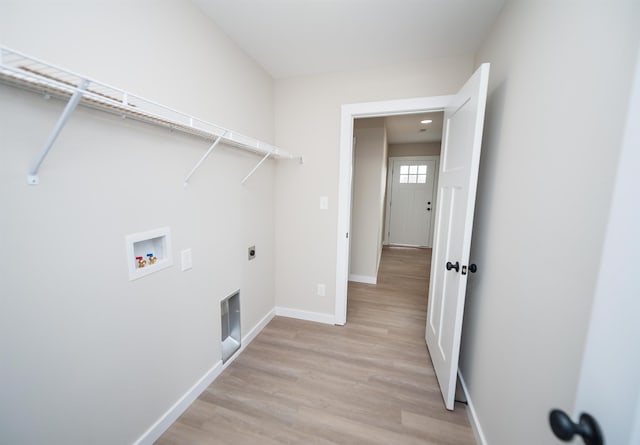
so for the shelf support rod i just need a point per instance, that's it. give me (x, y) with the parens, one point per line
(32, 177)
(255, 168)
(206, 155)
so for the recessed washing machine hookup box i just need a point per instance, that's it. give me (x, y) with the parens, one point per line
(148, 252)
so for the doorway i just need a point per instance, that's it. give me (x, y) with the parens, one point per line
(349, 113)
(462, 141)
(391, 205)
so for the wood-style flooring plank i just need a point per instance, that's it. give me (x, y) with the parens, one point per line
(368, 382)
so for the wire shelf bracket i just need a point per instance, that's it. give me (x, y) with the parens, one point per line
(32, 177)
(300, 159)
(255, 168)
(26, 72)
(206, 155)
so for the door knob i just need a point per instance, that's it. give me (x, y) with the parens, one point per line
(453, 266)
(473, 268)
(428, 209)
(564, 428)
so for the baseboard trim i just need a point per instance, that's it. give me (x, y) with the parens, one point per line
(305, 315)
(472, 414)
(363, 279)
(253, 333)
(166, 420)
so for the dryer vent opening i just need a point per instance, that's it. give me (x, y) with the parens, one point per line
(230, 322)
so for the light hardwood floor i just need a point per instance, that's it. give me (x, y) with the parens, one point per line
(368, 382)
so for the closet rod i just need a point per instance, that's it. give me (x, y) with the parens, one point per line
(20, 70)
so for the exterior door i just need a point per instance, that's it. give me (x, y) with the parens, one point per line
(459, 162)
(411, 202)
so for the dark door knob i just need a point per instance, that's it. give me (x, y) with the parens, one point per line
(473, 268)
(429, 209)
(453, 266)
(564, 428)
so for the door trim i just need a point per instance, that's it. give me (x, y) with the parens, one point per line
(350, 112)
(387, 207)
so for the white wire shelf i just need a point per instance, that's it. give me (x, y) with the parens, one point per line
(22, 71)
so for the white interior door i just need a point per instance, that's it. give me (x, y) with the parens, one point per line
(609, 388)
(459, 162)
(410, 202)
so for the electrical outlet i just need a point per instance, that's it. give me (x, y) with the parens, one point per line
(187, 262)
(322, 290)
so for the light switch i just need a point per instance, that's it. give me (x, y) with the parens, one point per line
(187, 262)
(322, 290)
(324, 203)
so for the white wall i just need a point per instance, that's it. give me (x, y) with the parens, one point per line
(559, 87)
(307, 111)
(415, 149)
(367, 214)
(165, 50)
(86, 355)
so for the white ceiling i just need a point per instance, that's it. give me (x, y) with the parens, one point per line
(300, 37)
(407, 128)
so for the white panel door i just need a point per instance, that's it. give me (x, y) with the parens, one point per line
(410, 205)
(459, 162)
(609, 388)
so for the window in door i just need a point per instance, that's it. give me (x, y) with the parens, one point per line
(413, 174)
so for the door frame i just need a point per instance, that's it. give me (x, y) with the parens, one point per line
(349, 112)
(387, 207)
